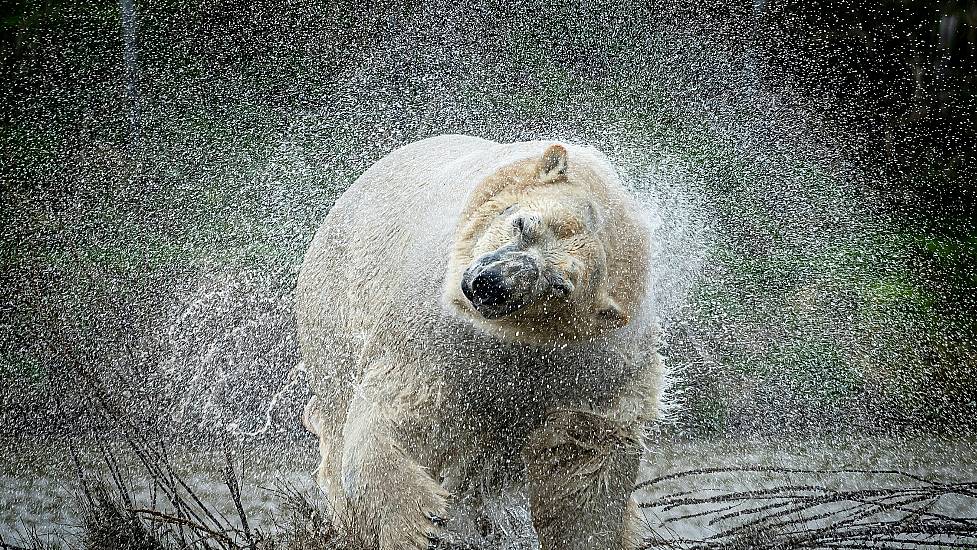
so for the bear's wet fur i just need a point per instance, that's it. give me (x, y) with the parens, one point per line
(473, 315)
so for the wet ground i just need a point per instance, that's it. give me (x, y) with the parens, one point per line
(41, 493)
(40, 490)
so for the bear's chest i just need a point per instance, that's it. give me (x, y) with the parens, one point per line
(496, 394)
(503, 386)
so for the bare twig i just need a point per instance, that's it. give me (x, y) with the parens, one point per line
(234, 486)
(792, 515)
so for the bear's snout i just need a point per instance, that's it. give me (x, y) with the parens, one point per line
(500, 283)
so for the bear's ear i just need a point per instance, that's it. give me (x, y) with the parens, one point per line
(610, 315)
(552, 166)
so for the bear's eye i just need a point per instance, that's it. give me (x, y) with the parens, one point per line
(526, 227)
(568, 227)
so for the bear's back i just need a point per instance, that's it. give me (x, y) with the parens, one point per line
(377, 254)
(386, 233)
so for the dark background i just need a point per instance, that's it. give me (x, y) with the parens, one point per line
(106, 233)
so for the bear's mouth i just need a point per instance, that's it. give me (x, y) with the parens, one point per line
(493, 312)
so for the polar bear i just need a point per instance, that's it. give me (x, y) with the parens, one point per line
(473, 314)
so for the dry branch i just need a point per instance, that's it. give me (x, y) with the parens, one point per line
(795, 513)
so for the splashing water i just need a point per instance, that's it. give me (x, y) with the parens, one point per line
(156, 247)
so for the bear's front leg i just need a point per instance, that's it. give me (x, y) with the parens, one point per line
(582, 469)
(391, 500)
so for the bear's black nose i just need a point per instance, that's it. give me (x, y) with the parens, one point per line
(500, 282)
(487, 289)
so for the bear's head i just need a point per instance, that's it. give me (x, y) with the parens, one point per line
(534, 255)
